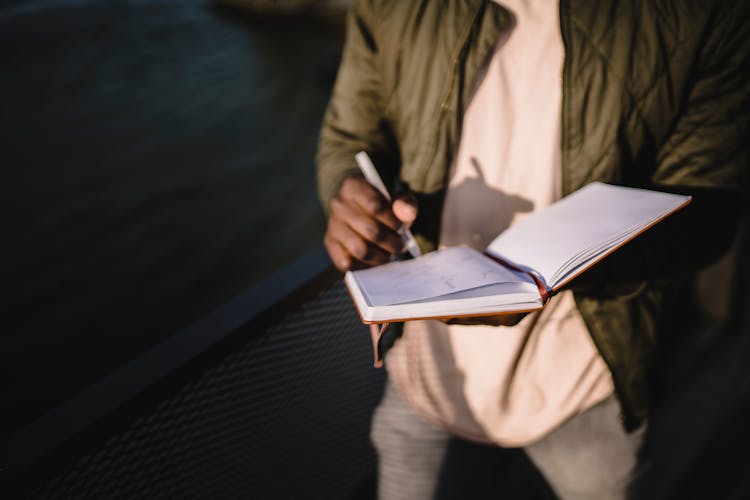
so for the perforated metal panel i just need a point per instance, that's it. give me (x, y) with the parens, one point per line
(285, 416)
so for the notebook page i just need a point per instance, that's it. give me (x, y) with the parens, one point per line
(582, 221)
(438, 273)
(490, 299)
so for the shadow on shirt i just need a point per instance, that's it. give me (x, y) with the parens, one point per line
(491, 213)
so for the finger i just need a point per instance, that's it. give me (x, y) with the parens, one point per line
(356, 191)
(356, 246)
(463, 321)
(405, 211)
(368, 228)
(338, 254)
(497, 320)
(504, 319)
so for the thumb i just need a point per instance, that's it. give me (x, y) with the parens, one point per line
(405, 209)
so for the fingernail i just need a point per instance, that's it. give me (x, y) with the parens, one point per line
(410, 211)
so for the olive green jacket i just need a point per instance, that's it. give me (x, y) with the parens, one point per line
(653, 95)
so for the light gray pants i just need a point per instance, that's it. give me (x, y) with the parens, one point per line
(588, 457)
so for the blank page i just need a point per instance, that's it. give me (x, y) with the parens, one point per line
(582, 221)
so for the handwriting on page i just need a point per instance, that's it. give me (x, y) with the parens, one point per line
(432, 275)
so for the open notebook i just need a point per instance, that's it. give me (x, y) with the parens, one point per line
(521, 268)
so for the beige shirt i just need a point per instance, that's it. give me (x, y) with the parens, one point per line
(508, 385)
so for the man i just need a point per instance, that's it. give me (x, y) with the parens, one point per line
(485, 111)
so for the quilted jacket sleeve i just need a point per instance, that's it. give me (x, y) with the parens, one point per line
(354, 120)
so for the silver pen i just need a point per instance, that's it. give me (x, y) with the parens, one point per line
(371, 175)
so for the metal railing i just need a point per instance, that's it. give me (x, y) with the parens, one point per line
(269, 396)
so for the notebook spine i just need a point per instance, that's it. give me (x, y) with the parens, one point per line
(544, 291)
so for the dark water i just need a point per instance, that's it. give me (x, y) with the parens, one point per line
(156, 159)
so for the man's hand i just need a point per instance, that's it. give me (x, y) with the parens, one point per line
(497, 320)
(363, 227)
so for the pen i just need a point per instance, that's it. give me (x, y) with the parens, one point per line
(372, 176)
